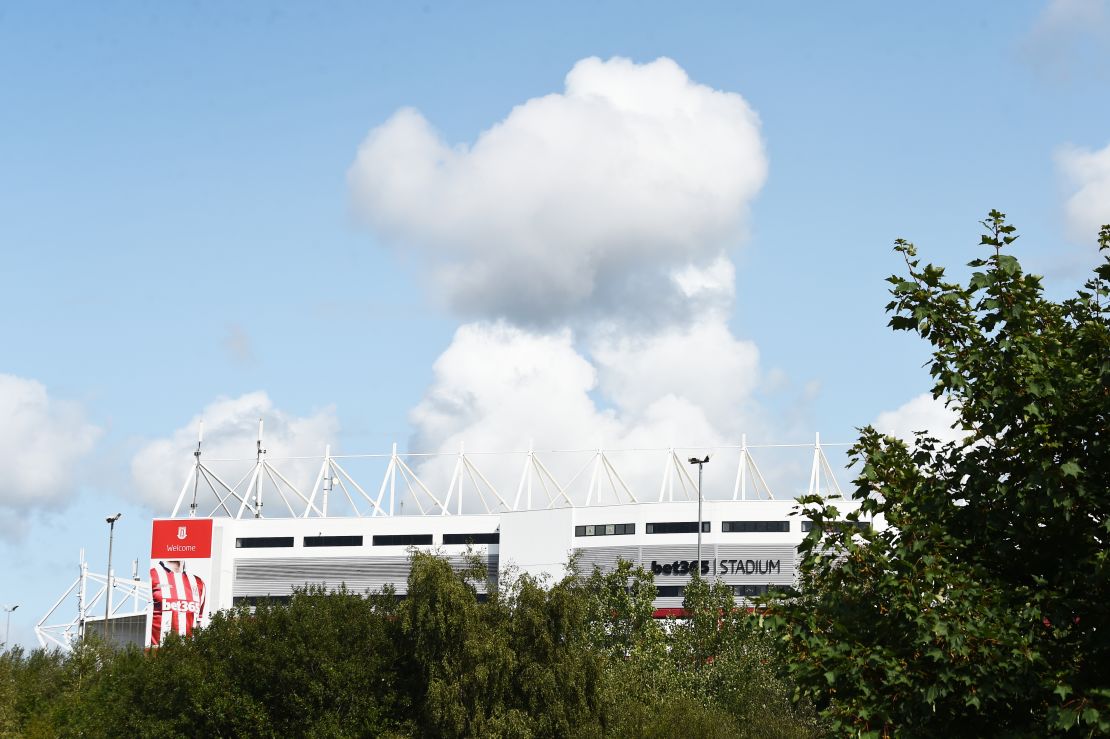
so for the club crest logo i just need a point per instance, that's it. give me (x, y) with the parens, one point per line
(182, 533)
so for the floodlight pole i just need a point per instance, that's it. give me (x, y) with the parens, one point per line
(700, 463)
(8, 627)
(108, 589)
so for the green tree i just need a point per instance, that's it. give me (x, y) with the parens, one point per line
(982, 609)
(30, 685)
(321, 665)
(558, 676)
(712, 673)
(463, 664)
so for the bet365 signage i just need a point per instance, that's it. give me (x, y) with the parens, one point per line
(718, 566)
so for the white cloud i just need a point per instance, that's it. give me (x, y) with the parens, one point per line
(922, 413)
(496, 385)
(1088, 172)
(42, 441)
(499, 386)
(230, 428)
(703, 364)
(588, 233)
(583, 204)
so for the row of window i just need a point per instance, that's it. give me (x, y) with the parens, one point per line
(745, 591)
(661, 591)
(609, 529)
(683, 527)
(755, 526)
(691, 527)
(677, 527)
(256, 600)
(860, 525)
(751, 590)
(378, 540)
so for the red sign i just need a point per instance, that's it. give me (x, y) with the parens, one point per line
(181, 538)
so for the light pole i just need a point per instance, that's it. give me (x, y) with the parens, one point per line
(108, 590)
(8, 627)
(700, 463)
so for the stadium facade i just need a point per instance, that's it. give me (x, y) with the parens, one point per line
(749, 545)
(233, 544)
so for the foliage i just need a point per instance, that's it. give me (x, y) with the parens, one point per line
(581, 658)
(982, 609)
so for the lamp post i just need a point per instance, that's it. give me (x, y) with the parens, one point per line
(700, 463)
(8, 627)
(108, 590)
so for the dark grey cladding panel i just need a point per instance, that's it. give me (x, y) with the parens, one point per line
(667, 602)
(732, 555)
(733, 563)
(279, 575)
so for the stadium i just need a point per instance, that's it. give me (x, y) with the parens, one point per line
(228, 544)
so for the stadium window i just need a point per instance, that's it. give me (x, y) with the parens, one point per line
(256, 600)
(485, 538)
(263, 542)
(758, 527)
(402, 540)
(859, 525)
(609, 529)
(669, 591)
(333, 541)
(748, 591)
(678, 527)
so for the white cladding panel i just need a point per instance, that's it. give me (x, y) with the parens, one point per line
(244, 571)
(538, 542)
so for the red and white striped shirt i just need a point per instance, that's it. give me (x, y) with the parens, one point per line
(178, 602)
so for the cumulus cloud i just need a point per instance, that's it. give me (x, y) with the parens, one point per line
(587, 237)
(230, 428)
(42, 442)
(495, 377)
(590, 203)
(1088, 172)
(704, 365)
(499, 386)
(922, 413)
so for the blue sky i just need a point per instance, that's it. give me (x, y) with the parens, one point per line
(177, 226)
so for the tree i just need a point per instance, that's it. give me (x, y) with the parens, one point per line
(982, 609)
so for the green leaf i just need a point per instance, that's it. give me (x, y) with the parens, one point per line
(985, 536)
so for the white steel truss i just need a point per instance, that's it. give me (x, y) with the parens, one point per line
(125, 598)
(262, 487)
